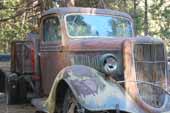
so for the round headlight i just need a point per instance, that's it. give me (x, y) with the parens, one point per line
(109, 63)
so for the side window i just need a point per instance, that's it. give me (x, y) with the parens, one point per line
(51, 29)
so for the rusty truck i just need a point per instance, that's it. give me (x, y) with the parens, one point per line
(88, 60)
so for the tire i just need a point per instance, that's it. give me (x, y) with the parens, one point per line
(11, 89)
(70, 104)
(22, 91)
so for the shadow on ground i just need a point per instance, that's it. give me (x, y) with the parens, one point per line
(14, 108)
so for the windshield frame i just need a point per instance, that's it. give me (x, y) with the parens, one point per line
(86, 37)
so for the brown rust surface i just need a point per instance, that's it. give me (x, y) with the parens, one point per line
(94, 44)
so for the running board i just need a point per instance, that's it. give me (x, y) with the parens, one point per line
(38, 103)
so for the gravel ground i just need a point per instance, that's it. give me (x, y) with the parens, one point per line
(14, 108)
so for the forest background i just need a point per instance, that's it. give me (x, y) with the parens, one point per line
(19, 17)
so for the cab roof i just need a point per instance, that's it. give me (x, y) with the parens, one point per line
(68, 10)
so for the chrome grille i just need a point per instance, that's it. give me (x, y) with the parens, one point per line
(150, 66)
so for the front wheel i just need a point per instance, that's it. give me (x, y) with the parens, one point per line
(70, 104)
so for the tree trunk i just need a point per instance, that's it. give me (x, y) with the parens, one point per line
(101, 4)
(125, 6)
(134, 16)
(69, 3)
(146, 18)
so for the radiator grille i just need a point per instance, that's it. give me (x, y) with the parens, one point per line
(92, 59)
(88, 60)
(150, 66)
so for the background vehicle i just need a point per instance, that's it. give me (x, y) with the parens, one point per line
(4, 69)
(88, 60)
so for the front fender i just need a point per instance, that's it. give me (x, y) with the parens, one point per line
(93, 91)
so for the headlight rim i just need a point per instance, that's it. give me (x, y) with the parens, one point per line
(102, 63)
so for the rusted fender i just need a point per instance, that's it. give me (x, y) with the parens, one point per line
(93, 91)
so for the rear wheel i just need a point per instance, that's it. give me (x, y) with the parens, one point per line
(15, 89)
(11, 89)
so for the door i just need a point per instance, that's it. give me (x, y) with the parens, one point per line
(50, 51)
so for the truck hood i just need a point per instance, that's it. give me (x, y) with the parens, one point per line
(99, 44)
(94, 44)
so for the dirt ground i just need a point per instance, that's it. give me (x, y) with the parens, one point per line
(14, 108)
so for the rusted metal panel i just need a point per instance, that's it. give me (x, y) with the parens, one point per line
(52, 61)
(94, 44)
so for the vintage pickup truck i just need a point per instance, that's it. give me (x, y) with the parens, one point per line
(87, 60)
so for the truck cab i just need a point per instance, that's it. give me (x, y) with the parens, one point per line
(88, 60)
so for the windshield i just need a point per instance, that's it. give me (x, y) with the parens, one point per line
(98, 26)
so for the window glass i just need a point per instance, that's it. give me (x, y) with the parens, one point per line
(51, 29)
(98, 26)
